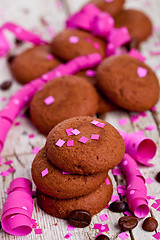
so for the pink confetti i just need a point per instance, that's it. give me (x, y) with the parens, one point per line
(31, 136)
(17, 123)
(153, 109)
(38, 231)
(83, 139)
(94, 122)
(104, 228)
(155, 205)
(74, 39)
(114, 198)
(143, 114)
(68, 235)
(8, 162)
(156, 235)
(154, 53)
(134, 118)
(35, 150)
(70, 143)
(49, 57)
(96, 45)
(51, 31)
(121, 190)
(151, 197)
(123, 235)
(70, 228)
(89, 40)
(69, 131)
(150, 128)
(76, 132)
(95, 136)
(60, 143)
(123, 121)
(90, 73)
(65, 173)
(11, 170)
(109, 1)
(101, 125)
(97, 226)
(44, 172)
(49, 100)
(3, 99)
(149, 180)
(142, 72)
(107, 181)
(116, 172)
(4, 173)
(0, 161)
(104, 217)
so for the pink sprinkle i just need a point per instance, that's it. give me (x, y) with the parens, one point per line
(123, 235)
(7, 191)
(156, 28)
(31, 136)
(150, 128)
(149, 180)
(69, 131)
(153, 109)
(74, 39)
(70, 228)
(101, 125)
(44, 172)
(49, 100)
(4, 173)
(83, 139)
(128, 213)
(114, 198)
(94, 122)
(89, 40)
(90, 73)
(121, 190)
(142, 72)
(151, 197)
(70, 143)
(76, 132)
(116, 172)
(68, 235)
(104, 228)
(0, 161)
(35, 150)
(17, 123)
(38, 231)
(154, 53)
(136, 54)
(11, 170)
(123, 121)
(97, 226)
(8, 162)
(51, 31)
(96, 45)
(107, 181)
(33, 220)
(2, 99)
(143, 114)
(109, 1)
(95, 136)
(155, 205)
(104, 217)
(60, 143)
(65, 173)
(134, 118)
(155, 67)
(49, 57)
(156, 235)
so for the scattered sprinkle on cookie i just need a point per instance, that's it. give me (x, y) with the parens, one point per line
(60, 143)
(44, 172)
(49, 57)
(35, 150)
(69, 131)
(90, 73)
(101, 125)
(107, 181)
(142, 72)
(49, 100)
(76, 132)
(95, 136)
(83, 139)
(70, 143)
(74, 39)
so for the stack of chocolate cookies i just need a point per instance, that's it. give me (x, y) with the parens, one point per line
(71, 171)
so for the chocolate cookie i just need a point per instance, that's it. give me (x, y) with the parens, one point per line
(128, 82)
(62, 186)
(71, 96)
(32, 63)
(93, 202)
(71, 43)
(97, 146)
(138, 24)
(110, 6)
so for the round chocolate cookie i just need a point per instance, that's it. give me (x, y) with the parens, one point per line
(138, 24)
(71, 43)
(96, 148)
(73, 96)
(128, 82)
(112, 7)
(32, 63)
(59, 185)
(92, 203)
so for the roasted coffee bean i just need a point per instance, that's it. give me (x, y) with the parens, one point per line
(158, 177)
(150, 224)
(10, 59)
(118, 206)
(102, 237)
(128, 222)
(80, 218)
(5, 85)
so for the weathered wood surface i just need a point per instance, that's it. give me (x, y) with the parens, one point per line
(38, 15)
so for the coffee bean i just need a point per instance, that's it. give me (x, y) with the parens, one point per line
(5, 85)
(158, 177)
(118, 206)
(102, 237)
(10, 59)
(80, 218)
(150, 224)
(128, 222)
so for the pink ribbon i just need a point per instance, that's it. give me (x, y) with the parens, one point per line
(25, 94)
(20, 33)
(17, 210)
(136, 191)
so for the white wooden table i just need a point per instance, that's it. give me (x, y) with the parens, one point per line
(37, 15)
